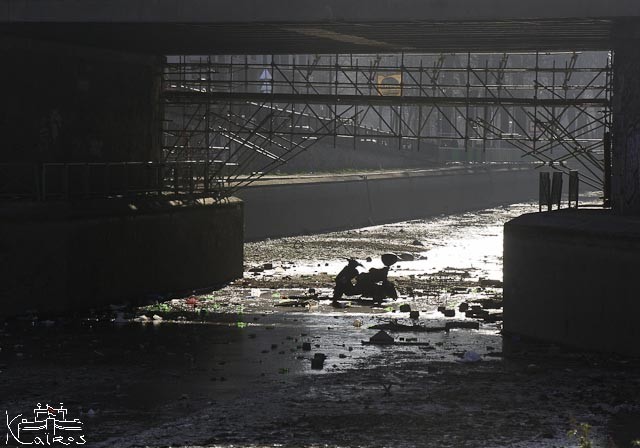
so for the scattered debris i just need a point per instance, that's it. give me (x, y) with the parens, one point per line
(193, 301)
(317, 362)
(395, 326)
(387, 387)
(463, 324)
(488, 283)
(492, 318)
(459, 290)
(381, 338)
(470, 357)
(339, 304)
(490, 304)
(405, 256)
(389, 259)
(476, 314)
(296, 303)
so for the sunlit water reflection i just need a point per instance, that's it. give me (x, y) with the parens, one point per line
(470, 241)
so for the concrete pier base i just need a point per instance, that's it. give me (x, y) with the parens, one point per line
(571, 277)
(60, 257)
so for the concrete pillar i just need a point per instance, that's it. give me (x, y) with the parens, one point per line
(68, 103)
(626, 130)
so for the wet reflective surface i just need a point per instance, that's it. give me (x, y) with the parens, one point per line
(229, 368)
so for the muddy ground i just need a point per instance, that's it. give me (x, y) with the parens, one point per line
(233, 367)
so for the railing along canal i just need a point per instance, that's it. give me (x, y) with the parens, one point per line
(79, 180)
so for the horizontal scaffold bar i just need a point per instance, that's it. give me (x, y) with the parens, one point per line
(194, 97)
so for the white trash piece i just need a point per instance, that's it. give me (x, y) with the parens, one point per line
(469, 357)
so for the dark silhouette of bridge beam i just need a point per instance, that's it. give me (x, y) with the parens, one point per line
(355, 37)
(328, 26)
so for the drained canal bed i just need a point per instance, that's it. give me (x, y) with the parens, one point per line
(234, 367)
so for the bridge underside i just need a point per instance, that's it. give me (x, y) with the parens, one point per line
(327, 26)
(337, 37)
(91, 115)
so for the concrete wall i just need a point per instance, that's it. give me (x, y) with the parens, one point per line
(571, 277)
(63, 257)
(324, 157)
(327, 203)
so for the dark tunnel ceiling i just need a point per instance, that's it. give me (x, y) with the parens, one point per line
(283, 38)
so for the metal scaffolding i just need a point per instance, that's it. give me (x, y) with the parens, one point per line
(255, 113)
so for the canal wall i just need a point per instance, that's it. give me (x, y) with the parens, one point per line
(569, 278)
(285, 206)
(59, 257)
